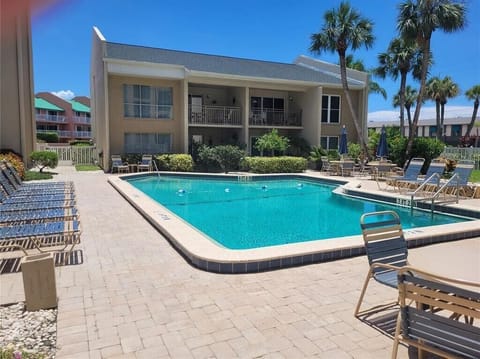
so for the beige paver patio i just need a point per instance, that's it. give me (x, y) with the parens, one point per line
(136, 297)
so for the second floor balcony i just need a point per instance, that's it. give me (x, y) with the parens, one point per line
(214, 115)
(82, 119)
(82, 134)
(274, 118)
(43, 117)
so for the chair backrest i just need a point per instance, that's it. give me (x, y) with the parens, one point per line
(146, 159)
(13, 171)
(384, 240)
(431, 311)
(435, 167)
(414, 168)
(116, 161)
(464, 170)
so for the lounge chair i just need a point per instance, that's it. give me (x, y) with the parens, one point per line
(32, 196)
(437, 314)
(118, 164)
(145, 164)
(8, 218)
(386, 250)
(434, 173)
(459, 179)
(12, 204)
(40, 235)
(411, 174)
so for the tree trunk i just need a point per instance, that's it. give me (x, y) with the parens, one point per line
(409, 117)
(358, 127)
(437, 117)
(474, 117)
(442, 118)
(421, 94)
(403, 81)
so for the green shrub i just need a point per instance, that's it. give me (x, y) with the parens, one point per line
(80, 143)
(50, 137)
(15, 160)
(272, 143)
(284, 164)
(298, 147)
(228, 157)
(333, 155)
(354, 150)
(207, 159)
(43, 159)
(175, 162)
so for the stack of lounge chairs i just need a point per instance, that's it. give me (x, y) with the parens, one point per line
(39, 216)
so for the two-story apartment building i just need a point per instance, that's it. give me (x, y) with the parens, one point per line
(152, 100)
(70, 120)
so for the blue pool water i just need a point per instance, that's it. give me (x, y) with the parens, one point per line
(252, 214)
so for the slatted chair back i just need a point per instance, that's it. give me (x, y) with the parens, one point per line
(413, 169)
(437, 314)
(386, 251)
(8, 176)
(14, 173)
(464, 170)
(146, 163)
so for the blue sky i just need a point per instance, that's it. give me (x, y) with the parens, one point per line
(269, 30)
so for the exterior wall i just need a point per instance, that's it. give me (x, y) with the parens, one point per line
(17, 121)
(119, 125)
(310, 103)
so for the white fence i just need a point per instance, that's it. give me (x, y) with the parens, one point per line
(463, 153)
(74, 154)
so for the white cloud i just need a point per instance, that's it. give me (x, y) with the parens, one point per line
(65, 94)
(426, 113)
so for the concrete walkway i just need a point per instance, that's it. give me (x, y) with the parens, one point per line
(136, 297)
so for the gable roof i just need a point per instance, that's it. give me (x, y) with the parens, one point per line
(222, 64)
(40, 103)
(79, 107)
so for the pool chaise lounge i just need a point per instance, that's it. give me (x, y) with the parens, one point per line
(37, 216)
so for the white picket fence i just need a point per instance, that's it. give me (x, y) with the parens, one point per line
(68, 155)
(463, 153)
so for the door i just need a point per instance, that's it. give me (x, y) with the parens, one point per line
(196, 106)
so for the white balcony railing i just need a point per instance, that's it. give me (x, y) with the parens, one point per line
(49, 118)
(82, 134)
(82, 119)
(214, 115)
(271, 117)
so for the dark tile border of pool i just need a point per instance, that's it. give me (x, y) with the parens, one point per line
(204, 254)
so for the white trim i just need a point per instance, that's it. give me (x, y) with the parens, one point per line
(145, 69)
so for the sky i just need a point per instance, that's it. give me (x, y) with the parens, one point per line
(270, 30)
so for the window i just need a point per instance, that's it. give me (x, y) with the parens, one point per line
(329, 142)
(330, 109)
(432, 131)
(147, 143)
(147, 102)
(456, 130)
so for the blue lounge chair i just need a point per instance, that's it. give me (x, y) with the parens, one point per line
(146, 163)
(459, 180)
(8, 218)
(432, 177)
(11, 204)
(386, 250)
(19, 196)
(411, 173)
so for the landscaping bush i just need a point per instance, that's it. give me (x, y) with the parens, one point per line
(15, 160)
(354, 150)
(298, 147)
(80, 143)
(175, 162)
(272, 143)
(228, 157)
(50, 137)
(207, 160)
(43, 159)
(284, 164)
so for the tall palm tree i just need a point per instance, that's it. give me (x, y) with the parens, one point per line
(402, 56)
(473, 93)
(410, 97)
(417, 20)
(373, 86)
(344, 28)
(433, 92)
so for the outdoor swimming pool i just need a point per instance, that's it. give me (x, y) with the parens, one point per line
(268, 212)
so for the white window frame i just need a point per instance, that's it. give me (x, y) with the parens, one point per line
(328, 140)
(147, 143)
(329, 109)
(147, 102)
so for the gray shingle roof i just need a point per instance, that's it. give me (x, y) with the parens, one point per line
(219, 64)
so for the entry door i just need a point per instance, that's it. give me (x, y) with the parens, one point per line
(196, 104)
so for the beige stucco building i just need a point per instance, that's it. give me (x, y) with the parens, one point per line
(151, 100)
(17, 121)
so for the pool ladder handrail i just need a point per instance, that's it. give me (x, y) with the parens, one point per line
(429, 181)
(156, 167)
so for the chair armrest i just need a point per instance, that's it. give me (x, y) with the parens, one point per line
(384, 265)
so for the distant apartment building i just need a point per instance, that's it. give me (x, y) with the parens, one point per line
(70, 120)
(453, 128)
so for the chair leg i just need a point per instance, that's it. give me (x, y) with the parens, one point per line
(396, 337)
(364, 289)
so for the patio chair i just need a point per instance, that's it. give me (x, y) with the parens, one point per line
(434, 172)
(411, 174)
(441, 316)
(460, 176)
(8, 218)
(118, 164)
(386, 251)
(145, 164)
(13, 204)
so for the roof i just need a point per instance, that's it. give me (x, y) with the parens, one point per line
(221, 64)
(40, 103)
(425, 122)
(79, 107)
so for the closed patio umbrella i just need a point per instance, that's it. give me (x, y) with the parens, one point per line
(342, 146)
(382, 148)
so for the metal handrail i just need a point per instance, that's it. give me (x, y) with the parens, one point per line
(438, 192)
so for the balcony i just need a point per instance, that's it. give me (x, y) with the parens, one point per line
(82, 119)
(214, 115)
(61, 134)
(42, 117)
(82, 134)
(274, 118)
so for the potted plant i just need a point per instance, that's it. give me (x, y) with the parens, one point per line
(316, 156)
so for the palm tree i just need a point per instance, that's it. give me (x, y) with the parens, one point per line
(373, 87)
(410, 97)
(418, 20)
(473, 93)
(402, 56)
(344, 28)
(440, 90)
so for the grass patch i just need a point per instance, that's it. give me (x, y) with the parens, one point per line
(35, 175)
(475, 177)
(87, 168)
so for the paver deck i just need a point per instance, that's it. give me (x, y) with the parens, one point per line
(136, 297)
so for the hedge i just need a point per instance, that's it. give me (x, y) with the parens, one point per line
(283, 164)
